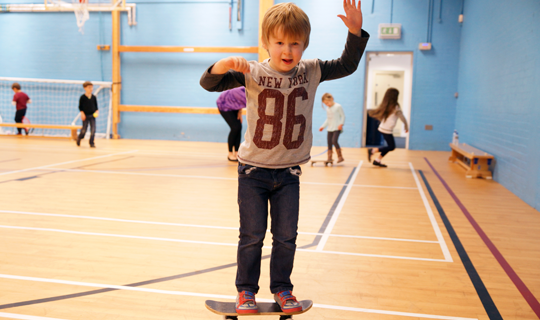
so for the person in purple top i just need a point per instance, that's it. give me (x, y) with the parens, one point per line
(230, 104)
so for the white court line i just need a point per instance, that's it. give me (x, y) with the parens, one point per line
(208, 242)
(144, 174)
(358, 185)
(213, 177)
(67, 162)
(119, 220)
(121, 236)
(226, 297)
(198, 226)
(367, 255)
(394, 313)
(24, 317)
(330, 226)
(438, 233)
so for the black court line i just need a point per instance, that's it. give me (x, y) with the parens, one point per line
(28, 178)
(481, 290)
(184, 275)
(137, 284)
(102, 162)
(330, 214)
(61, 170)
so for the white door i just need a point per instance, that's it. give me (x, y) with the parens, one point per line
(389, 70)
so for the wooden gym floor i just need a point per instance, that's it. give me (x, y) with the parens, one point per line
(148, 230)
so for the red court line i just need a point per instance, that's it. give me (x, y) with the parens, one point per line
(520, 285)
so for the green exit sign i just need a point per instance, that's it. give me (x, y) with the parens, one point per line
(390, 31)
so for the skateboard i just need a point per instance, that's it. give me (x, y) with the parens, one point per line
(228, 310)
(326, 162)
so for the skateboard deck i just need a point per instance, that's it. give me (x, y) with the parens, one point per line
(228, 310)
(326, 162)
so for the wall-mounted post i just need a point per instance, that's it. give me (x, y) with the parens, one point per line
(116, 78)
(264, 5)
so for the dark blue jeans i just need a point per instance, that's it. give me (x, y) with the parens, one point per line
(257, 187)
(92, 121)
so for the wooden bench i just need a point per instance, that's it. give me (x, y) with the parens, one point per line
(475, 161)
(73, 129)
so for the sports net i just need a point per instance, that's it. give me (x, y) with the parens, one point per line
(55, 102)
(80, 7)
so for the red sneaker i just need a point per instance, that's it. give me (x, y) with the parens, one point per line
(287, 301)
(245, 303)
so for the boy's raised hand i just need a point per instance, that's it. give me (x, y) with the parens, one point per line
(239, 64)
(353, 16)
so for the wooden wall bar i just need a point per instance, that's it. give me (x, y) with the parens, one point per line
(198, 110)
(188, 49)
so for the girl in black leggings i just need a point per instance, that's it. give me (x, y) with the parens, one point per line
(388, 114)
(230, 104)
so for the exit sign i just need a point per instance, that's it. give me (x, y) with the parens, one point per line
(390, 31)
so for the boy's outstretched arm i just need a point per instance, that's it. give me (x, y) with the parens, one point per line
(354, 47)
(353, 16)
(225, 74)
(239, 64)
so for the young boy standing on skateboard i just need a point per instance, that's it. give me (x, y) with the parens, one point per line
(280, 94)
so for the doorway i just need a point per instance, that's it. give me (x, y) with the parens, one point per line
(387, 70)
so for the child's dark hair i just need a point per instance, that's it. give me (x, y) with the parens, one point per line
(387, 106)
(86, 84)
(16, 85)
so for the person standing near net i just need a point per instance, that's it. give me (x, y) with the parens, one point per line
(280, 95)
(388, 113)
(20, 101)
(89, 111)
(230, 104)
(335, 119)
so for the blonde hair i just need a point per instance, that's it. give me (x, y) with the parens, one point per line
(293, 21)
(327, 96)
(388, 105)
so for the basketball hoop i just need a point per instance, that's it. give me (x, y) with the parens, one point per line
(80, 7)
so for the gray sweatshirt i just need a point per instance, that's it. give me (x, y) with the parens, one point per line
(280, 105)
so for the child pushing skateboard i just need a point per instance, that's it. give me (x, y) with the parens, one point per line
(335, 119)
(280, 95)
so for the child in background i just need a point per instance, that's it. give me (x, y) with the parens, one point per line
(280, 95)
(335, 118)
(20, 101)
(387, 113)
(230, 104)
(89, 111)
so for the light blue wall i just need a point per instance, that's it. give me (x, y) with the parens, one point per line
(172, 79)
(434, 74)
(499, 81)
(493, 56)
(48, 45)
